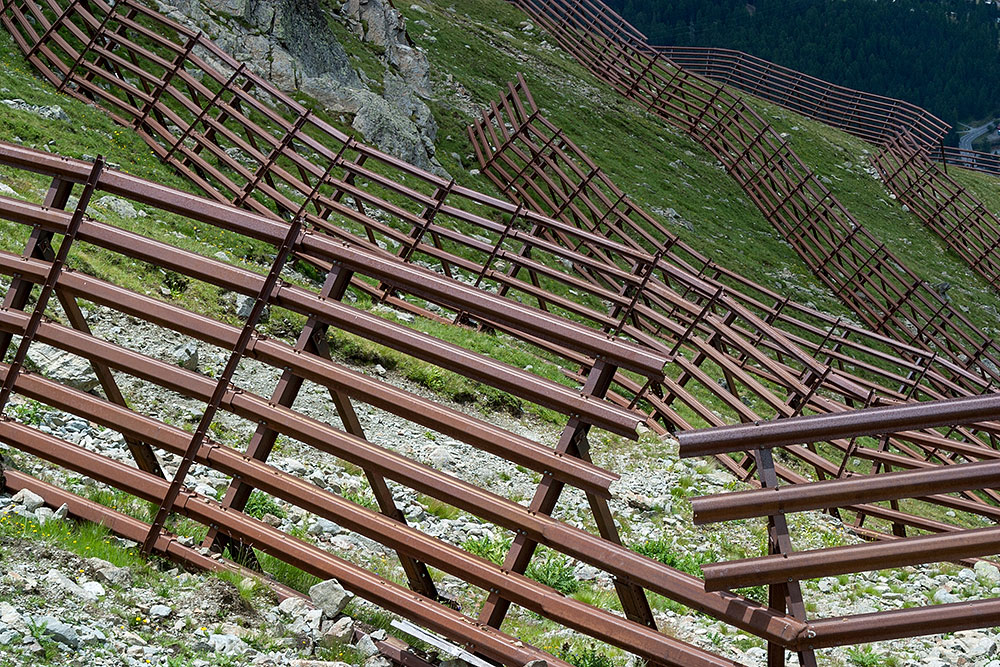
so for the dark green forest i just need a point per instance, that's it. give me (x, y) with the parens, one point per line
(939, 54)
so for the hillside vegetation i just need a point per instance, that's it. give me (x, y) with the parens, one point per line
(476, 48)
(921, 51)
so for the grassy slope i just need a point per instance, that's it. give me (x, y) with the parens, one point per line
(482, 45)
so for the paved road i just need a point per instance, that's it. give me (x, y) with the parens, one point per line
(965, 141)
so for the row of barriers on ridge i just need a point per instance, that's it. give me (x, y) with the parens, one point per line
(158, 446)
(538, 166)
(246, 143)
(861, 271)
(908, 137)
(871, 117)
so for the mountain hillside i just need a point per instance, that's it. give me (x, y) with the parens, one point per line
(938, 54)
(412, 88)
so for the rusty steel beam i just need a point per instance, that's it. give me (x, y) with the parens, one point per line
(838, 249)
(867, 557)
(575, 542)
(325, 373)
(637, 638)
(390, 596)
(842, 492)
(970, 410)
(503, 376)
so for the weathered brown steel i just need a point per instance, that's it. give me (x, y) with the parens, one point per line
(858, 558)
(963, 222)
(846, 257)
(975, 410)
(842, 492)
(603, 553)
(528, 157)
(630, 289)
(222, 386)
(871, 117)
(957, 544)
(909, 137)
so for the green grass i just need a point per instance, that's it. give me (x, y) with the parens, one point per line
(261, 503)
(655, 164)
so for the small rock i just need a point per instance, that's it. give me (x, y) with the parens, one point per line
(227, 645)
(324, 527)
(62, 581)
(294, 606)
(160, 611)
(942, 596)
(244, 306)
(29, 499)
(120, 207)
(58, 631)
(330, 596)
(186, 355)
(987, 571)
(94, 589)
(116, 576)
(63, 366)
(366, 647)
(339, 632)
(61, 513)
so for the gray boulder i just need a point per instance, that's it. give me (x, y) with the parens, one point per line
(330, 596)
(57, 631)
(29, 499)
(62, 366)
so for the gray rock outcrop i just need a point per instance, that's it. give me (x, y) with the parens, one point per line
(291, 43)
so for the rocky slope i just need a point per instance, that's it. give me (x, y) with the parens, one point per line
(294, 44)
(650, 502)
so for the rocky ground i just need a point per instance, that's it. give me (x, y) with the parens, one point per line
(294, 45)
(60, 606)
(157, 614)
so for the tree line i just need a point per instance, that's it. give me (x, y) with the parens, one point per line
(939, 54)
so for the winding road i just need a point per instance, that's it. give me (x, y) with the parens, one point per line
(970, 135)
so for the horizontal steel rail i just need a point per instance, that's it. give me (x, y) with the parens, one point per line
(871, 117)
(856, 558)
(816, 428)
(604, 553)
(963, 222)
(844, 492)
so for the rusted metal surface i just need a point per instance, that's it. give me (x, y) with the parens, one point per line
(860, 270)
(963, 222)
(247, 144)
(910, 141)
(538, 165)
(871, 117)
(779, 569)
(636, 572)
